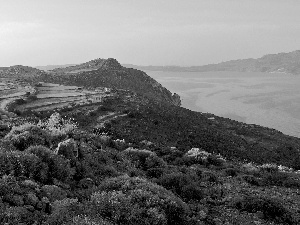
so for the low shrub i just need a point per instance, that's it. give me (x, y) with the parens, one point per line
(19, 164)
(185, 185)
(55, 166)
(26, 135)
(281, 179)
(233, 172)
(272, 209)
(148, 202)
(253, 180)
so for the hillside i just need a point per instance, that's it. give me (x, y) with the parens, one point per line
(19, 71)
(131, 160)
(109, 73)
(281, 62)
(101, 156)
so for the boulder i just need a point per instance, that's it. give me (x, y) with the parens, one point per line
(68, 149)
(54, 193)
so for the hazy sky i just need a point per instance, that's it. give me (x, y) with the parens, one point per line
(145, 32)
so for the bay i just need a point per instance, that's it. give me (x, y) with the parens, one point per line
(267, 99)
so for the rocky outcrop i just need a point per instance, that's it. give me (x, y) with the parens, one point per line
(176, 99)
(68, 149)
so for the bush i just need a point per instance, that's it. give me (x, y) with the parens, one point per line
(231, 172)
(281, 179)
(272, 209)
(185, 185)
(55, 166)
(19, 164)
(139, 157)
(26, 135)
(253, 180)
(148, 202)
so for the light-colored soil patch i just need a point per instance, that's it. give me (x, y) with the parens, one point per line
(60, 95)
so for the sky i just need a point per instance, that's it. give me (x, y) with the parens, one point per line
(145, 32)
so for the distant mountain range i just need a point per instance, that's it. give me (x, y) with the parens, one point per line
(272, 63)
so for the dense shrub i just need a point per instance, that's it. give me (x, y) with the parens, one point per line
(253, 180)
(185, 185)
(19, 164)
(139, 157)
(149, 203)
(281, 179)
(231, 172)
(272, 209)
(26, 135)
(55, 166)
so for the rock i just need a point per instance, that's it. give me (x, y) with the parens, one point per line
(54, 193)
(176, 99)
(31, 199)
(68, 149)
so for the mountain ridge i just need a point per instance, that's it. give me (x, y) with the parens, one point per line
(281, 63)
(109, 73)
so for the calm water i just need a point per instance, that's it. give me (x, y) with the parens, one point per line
(271, 100)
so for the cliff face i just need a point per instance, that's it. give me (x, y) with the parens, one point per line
(110, 73)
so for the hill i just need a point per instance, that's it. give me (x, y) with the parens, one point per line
(132, 156)
(279, 63)
(109, 73)
(19, 71)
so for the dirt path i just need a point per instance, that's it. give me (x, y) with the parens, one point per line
(110, 116)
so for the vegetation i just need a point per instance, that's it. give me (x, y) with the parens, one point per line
(140, 161)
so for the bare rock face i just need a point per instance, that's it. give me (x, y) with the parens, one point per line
(176, 99)
(68, 149)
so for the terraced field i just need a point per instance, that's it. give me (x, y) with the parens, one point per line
(19, 97)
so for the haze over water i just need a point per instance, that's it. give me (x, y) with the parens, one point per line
(267, 99)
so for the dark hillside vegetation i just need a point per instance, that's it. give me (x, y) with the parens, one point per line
(184, 129)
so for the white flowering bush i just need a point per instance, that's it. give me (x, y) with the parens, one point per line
(198, 153)
(269, 167)
(58, 125)
(205, 157)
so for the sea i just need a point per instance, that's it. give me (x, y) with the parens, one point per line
(267, 99)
